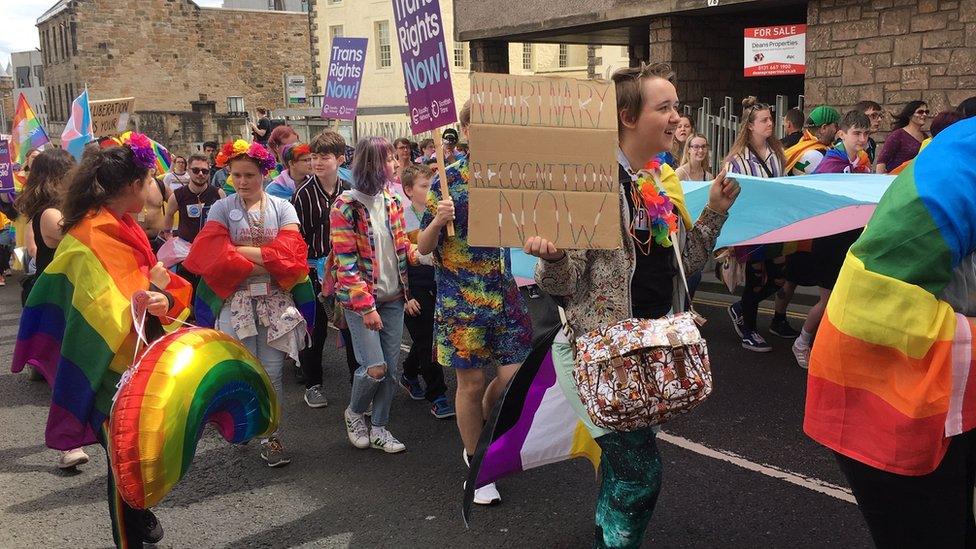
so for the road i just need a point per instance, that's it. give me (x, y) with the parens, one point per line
(738, 472)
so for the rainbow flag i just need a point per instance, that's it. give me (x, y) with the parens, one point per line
(77, 328)
(891, 375)
(27, 131)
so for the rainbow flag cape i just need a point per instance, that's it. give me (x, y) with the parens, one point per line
(891, 375)
(77, 328)
(27, 132)
(794, 154)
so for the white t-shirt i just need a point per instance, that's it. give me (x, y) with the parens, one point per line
(248, 230)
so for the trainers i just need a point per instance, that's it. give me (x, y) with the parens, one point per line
(381, 439)
(412, 387)
(356, 429)
(735, 313)
(781, 327)
(754, 342)
(274, 453)
(152, 530)
(314, 397)
(487, 494)
(802, 353)
(72, 458)
(441, 408)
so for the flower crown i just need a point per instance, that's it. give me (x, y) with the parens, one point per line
(234, 149)
(143, 153)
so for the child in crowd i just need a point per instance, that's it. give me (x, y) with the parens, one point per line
(419, 319)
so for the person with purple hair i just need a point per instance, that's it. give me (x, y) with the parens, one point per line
(369, 277)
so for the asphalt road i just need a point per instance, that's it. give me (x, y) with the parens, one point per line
(738, 473)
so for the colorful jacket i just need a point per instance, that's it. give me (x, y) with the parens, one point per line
(352, 267)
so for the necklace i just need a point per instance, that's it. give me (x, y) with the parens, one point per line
(646, 193)
(255, 226)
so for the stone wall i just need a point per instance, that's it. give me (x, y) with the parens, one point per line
(165, 53)
(891, 51)
(183, 132)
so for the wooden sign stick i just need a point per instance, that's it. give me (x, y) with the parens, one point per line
(442, 173)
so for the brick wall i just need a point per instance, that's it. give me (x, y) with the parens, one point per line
(891, 51)
(165, 53)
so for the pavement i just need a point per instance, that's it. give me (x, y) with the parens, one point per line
(738, 472)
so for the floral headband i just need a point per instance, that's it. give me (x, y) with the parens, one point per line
(142, 149)
(234, 149)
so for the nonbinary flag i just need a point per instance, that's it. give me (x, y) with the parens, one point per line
(27, 132)
(78, 132)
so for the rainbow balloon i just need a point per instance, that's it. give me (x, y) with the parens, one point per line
(182, 382)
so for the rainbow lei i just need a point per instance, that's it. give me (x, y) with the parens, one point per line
(233, 149)
(660, 210)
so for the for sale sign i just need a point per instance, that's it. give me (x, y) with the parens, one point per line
(776, 51)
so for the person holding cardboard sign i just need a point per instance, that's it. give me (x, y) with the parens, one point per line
(602, 287)
(480, 318)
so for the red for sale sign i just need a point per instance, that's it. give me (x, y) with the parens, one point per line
(776, 51)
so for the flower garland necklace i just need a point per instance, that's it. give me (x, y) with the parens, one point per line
(662, 220)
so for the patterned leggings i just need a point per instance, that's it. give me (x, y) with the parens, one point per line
(631, 473)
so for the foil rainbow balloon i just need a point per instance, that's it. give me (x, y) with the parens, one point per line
(182, 382)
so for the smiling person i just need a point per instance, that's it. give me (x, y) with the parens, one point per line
(903, 143)
(103, 253)
(695, 164)
(602, 287)
(178, 176)
(685, 129)
(250, 254)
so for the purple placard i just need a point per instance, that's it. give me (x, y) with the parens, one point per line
(6, 169)
(345, 78)
(426, 65)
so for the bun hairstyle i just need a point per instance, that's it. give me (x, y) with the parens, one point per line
(102, 176)
(750, 107)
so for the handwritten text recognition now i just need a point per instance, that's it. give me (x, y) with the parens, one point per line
(543, 153)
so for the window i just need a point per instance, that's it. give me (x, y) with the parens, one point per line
(39, 73)
(384, 57)
(23, 77)
(460, 55)
(527, 56)
(335, 31)
(563, 55)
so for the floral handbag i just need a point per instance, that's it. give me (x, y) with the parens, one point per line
(642, 372)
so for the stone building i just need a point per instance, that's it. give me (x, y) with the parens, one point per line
(28, 73)
(890, 51)
(166, 53)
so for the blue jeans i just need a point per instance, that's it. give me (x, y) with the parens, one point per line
(374, 348)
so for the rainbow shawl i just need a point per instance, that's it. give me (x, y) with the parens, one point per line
(77, 328)
(891, 376)
(222, 269)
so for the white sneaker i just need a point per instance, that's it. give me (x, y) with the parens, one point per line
(802, 353)
(356, 430)
(72, 458)
(381, 439)
(487, 494)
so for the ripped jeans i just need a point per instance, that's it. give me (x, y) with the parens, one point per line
(374, 348)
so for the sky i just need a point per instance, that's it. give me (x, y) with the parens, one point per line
(18, 32)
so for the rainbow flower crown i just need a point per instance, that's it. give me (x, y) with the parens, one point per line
(234, 149)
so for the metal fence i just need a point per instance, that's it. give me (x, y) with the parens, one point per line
(392, 130)
(722, 128)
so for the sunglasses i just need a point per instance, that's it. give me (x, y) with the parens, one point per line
(922, 112)
(200, 170)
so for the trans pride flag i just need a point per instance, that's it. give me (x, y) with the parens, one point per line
(78, 132)
(891, 375)
(27, 132)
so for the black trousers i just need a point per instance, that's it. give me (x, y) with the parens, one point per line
(763, 279)
(933, 510)
(310, 358)
(420, 359)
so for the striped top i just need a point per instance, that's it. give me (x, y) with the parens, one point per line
(749, 163)
(313, 204)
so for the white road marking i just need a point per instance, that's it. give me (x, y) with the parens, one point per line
(809, 483)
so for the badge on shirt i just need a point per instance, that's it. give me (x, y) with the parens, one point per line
(236, 215)
(258, 289)
(195, 210)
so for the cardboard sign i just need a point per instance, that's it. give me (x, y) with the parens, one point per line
(426, 65)
(110, 116)
(348, 55)
(543, 162)
(776, 51)
(6, 169)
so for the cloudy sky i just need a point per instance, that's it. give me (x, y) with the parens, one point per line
(19, 16)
